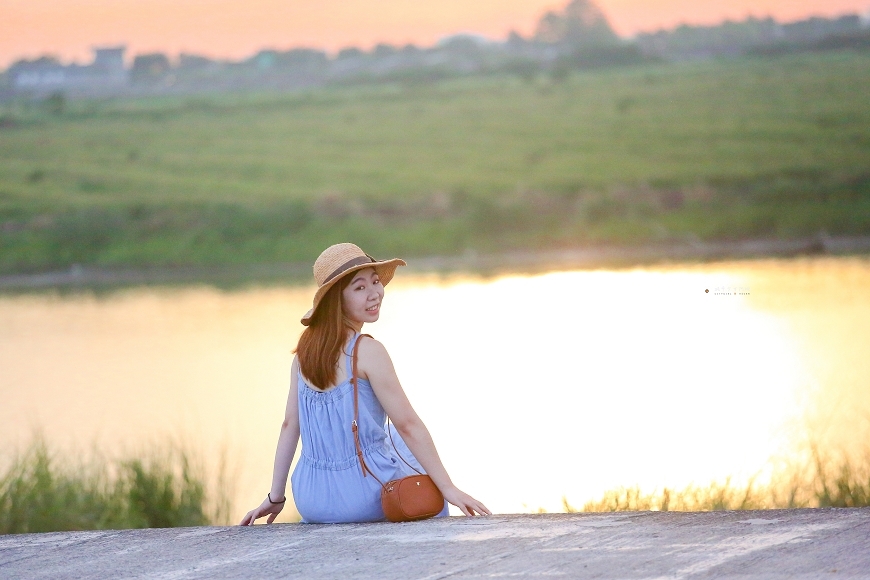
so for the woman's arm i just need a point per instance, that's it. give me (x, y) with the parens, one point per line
(287, 442)
(376, 366)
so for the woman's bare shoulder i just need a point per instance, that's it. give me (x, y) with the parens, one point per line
(369, 346)
(373, 356)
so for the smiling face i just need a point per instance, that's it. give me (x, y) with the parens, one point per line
(361, 299)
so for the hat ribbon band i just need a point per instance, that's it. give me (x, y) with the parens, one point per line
(347, 266)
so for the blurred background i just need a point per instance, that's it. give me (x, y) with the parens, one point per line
(638, 236)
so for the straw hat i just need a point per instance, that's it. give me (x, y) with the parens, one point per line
(340, 259)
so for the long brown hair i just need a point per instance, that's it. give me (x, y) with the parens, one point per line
(322, 340)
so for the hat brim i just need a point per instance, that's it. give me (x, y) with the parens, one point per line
(386, 269)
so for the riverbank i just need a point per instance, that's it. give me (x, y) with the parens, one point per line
(748, 545)
(489, 264)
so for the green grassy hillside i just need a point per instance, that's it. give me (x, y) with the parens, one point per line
(776, 147)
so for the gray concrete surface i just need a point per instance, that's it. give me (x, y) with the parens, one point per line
(831, 543)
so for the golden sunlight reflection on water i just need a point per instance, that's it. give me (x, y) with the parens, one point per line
(534, 387)
(572, 383)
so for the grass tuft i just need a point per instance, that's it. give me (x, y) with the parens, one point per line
(41, 493)
(818, 482)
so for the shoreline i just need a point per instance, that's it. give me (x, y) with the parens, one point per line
(231, 276)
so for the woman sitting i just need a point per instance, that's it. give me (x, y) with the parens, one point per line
(330, 483)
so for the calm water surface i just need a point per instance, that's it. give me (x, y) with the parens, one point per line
(534, 387)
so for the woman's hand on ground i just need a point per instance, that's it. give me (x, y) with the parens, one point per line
(266, 508)
(468, 505)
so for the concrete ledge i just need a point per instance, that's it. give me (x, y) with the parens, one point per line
(829, 543)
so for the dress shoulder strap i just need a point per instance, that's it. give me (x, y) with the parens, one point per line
(299, 377)
(349, 354)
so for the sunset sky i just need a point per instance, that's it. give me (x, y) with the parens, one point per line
(236, 28)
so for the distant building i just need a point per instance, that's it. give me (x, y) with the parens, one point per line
(46, 74)
(110, 61)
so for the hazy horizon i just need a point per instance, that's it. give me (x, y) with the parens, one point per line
(233, 30)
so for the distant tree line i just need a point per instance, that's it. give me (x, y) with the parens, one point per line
(755, 35)
(578, 37)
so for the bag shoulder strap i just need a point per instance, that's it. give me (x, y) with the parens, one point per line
(396, 449)
(355, 425)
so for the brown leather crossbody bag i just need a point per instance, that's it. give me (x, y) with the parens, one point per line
(404, 500)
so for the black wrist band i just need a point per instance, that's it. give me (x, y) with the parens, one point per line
(269, 495)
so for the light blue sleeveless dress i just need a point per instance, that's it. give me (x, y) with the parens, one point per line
(328, 484)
